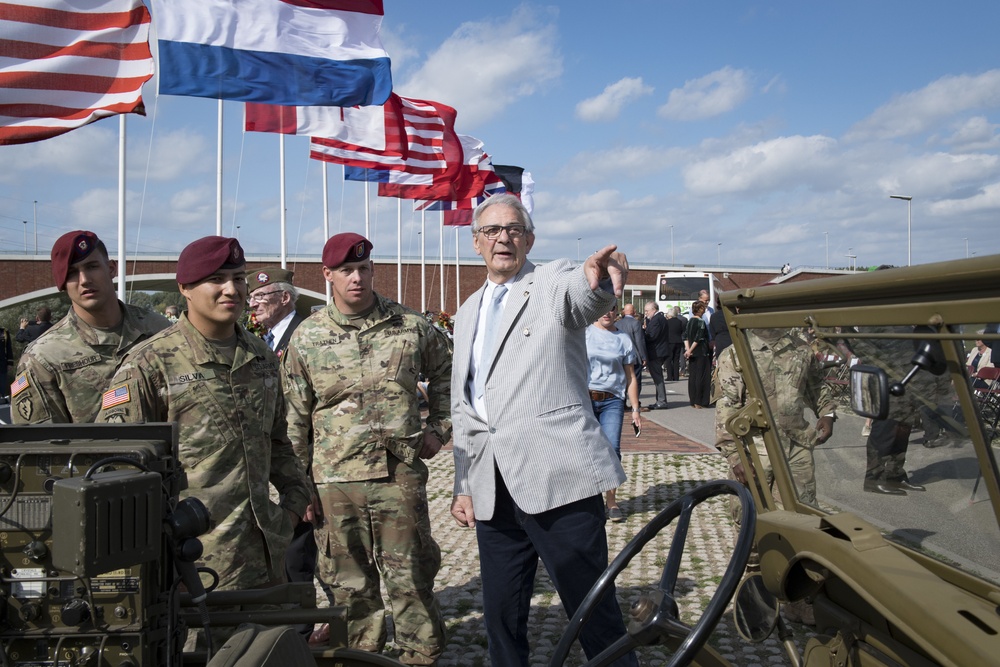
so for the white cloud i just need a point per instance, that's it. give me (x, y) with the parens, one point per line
(936, 174)
(974, 134)
(600, 166)
(486, 66)
(175, 154)
(986, 199)
(780, 163)
(918, 111)
(86, 152)
(711, 95)
(609, 103)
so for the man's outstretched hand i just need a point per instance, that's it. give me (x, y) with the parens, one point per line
(607, 263)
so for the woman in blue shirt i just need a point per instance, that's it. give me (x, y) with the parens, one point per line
(612, 377)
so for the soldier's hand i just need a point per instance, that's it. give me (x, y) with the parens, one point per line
(736, 465)
(461, 509)
(314, 512)
(432, 445)
(824, 429)
(606, 263)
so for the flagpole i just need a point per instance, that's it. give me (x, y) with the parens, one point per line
(284, 215)
(367, 215)
(399, 250)
(458, 283)
(121, 208)
(218, 177)
(326, 219)
(423, 265)
(441, 258)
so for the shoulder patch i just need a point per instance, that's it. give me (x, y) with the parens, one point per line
(18, 385)
(115, 396)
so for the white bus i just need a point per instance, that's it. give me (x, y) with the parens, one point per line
(680, 288)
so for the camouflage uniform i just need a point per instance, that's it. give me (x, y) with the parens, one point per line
(233, 442)
(793, 380)
(61, 375)
(353, 417)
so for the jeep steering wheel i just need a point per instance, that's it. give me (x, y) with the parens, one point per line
(656, 617)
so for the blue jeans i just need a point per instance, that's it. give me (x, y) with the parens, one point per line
(611, 413)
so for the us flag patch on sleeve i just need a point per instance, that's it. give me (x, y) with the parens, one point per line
(114, 397)
(19, 385)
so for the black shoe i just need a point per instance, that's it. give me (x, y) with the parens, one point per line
(875, 486)
(658, 406)
(904, 485)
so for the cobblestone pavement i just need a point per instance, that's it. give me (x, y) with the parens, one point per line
(654, 480)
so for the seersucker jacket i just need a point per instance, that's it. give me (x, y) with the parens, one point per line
(541, 434)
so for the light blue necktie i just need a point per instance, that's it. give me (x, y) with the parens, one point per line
(493, 316)
(269, 339)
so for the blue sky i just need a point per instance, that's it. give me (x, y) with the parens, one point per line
(767, 127)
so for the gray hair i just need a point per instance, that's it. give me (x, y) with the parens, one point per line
(655, 305)
(505, 199)
(289, 289)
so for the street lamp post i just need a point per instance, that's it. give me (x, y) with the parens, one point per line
(909, 204)
(578, 249)
(671, 245)
(827, 235)
(719, 248)
(966, 248)
(25, 236)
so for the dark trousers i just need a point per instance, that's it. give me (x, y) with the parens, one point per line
(673, 361)
(655, 368)
(572, 544)
(886, 448)
(300, 562)
(700, 380)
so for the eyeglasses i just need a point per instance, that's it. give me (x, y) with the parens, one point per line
(258, 296)
(493, 232)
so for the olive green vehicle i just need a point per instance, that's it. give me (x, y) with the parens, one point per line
(899, 553)
(897, 549)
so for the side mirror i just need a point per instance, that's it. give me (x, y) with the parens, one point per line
(869, 392)
(755, 610)
(928, 357)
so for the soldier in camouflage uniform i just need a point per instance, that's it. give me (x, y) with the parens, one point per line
(350, 378)
(222, 386)
(62, 374)
(794, 381)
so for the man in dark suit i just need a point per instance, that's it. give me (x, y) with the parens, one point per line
(675, 343)
(29, 331)
(656, 351)
(272, 302)
(628, 324)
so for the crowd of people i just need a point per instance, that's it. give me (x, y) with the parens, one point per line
(339, 410)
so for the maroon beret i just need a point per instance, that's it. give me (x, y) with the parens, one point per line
(346, 247)
(69, 249)
(203, 257)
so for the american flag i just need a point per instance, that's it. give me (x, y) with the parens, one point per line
(114, 397)
(68, 63)
(415, 136)
(19, 385)
(474, 177)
